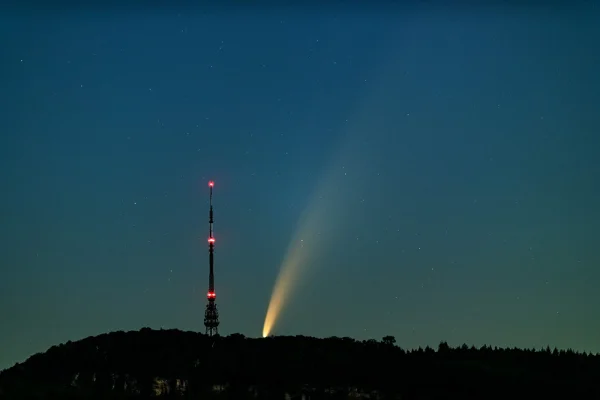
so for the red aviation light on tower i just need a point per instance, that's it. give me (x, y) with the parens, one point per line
(211, 295)
(211, 240)
(211, 183)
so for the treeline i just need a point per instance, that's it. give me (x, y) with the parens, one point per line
(167, 363)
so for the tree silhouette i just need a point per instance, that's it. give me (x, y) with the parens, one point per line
(388, 340)
(171, 363)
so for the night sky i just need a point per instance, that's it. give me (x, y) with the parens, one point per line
(450, 154)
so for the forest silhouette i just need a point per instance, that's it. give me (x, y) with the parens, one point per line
(172, 363)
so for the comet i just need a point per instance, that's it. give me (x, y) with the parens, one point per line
(291, 271)
(306, 245)
(344, 177)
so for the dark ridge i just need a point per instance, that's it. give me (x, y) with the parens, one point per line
(168, 363)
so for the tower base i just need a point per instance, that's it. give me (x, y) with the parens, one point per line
(211, 319)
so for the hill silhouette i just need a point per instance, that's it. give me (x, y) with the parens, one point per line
(171, 363)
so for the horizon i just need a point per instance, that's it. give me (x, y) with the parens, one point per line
(299, 336)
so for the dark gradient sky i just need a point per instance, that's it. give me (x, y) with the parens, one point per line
(470, 212)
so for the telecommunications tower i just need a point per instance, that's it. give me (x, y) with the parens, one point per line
(211, 315)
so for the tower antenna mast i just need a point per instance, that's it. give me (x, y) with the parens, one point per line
(211, 315)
